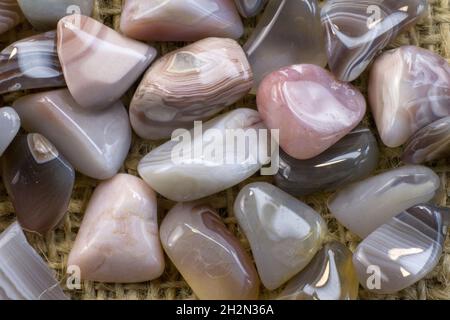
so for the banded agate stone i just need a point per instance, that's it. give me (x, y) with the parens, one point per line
(364, 206)
(39, 181)
(9, 126)
(250, 8)
(402, 251)
(284, 233)
(208, 256)
(10, 15)
(356, 31)
(191, 83)
(413, 94)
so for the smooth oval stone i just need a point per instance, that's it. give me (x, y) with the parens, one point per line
(364, 206)
(180, 20)
(250, 8)
(208, 256)
(191, 83)
(39, 181)
(402, 251)
(31, 63)
(429, 143)
(10, 15)
(356, 31)
(95, 143)
(195, 175)
(99, 64)
(329, 276)
(24, 275)
(351, 159)
(310, 107)
(118, 240)
(45, 14)
(413, 94)
(9, 126)
(278, 42)
(284, 233)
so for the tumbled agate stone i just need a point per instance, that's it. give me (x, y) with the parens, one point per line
(191, 83)
(180, 20)
(99, 64)
(289, 32)
(10, 15)
(96, 143)
(118, 239)
(9, 126)
(183, 170)
(310, 107)
(408, 89)
(364, 206)
(402, 251)
(24, 275)
(284, 233)
(39, 181)
(45, 14)
(249, 8)
(329, 276)
(357, 30)
(429, 143)
(208, 256)
(31, 63)
(351, 159)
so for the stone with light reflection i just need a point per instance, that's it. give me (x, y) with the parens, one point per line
(9, 126)
(250, 8)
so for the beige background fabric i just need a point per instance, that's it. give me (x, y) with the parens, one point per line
(432, 33)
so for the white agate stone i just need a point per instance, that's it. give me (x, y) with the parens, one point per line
(9, 126)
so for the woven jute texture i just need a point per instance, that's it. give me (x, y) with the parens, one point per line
(432, 33)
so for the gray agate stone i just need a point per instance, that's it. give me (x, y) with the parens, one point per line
(351, 159)
(9, 126)
(403, 251)
(249, 8)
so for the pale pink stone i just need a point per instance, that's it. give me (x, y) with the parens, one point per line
(310, 107)
(118, 240)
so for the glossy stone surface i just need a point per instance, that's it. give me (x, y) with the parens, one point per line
(289, 32)
(24, 275)
(191, 83)
(208, 256)
(118, 239)
(9, 126)
(39, 181)
(95, 143)
(284, 233)
(364, 206)
(356, 31)
(351, 159)
(250, 8)
(310, 107)
(180, 174)
(45, 14)
(413, 94)
(99, 64)
(31, 63)
(405, 249)
(180, 20)
(429, 143)
(10, 15)
(329, 276)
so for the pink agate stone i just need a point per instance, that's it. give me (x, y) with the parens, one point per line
(311, 108)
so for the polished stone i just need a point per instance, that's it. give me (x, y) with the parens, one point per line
(284, 233)
(408, 89)
(356, 31)
(208, 256)
(99, 64)
(118, 239)
(10, 15)
(9, 126)
(310, 107)
(289, 32)
(250, 8)
(402, 251)
(96, 143)
(351, 159)
(180, 20)
(191, 83)
(364, 206)
(31, 63)
(39, 181)
(329, 276)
